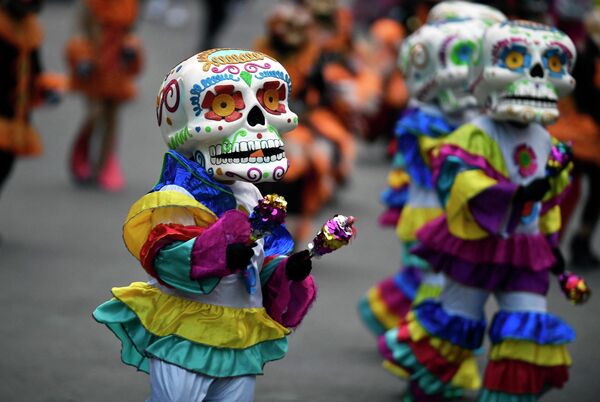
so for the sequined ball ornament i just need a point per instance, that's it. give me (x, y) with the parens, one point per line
(574, 287)
(335, 233)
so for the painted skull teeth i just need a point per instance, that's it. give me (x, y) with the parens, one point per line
(529, 101)
(258, 151)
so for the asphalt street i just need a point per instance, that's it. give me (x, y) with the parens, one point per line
(62, 252)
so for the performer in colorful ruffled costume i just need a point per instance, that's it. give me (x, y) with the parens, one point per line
(434, 61)
(104, 60)
(500, 178)
(23, 84)
(201, 326)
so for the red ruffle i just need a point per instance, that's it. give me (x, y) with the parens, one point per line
(161, 236)
(431, 359)
(517, 377)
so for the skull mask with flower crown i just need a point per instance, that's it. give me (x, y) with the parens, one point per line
(227, 109)
(435, 61)
(523, 69)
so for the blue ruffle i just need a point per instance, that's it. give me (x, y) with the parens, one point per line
(541, 328)
(461, 331)
(408, 281)
(394, 198)
(279, 242)
(408, 130)
(180, 171)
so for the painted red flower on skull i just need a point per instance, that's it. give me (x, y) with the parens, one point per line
(224, 105)
(525, 159)
(270, 97)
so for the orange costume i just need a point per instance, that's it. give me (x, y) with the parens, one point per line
(21, 84)
(103, 62)
(109, 48)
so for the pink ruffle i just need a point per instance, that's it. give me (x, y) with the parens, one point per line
(526, 251)
(209, 254)
(468, 158)
(287, 302)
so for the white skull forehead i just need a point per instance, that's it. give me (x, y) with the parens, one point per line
(523, 69)
(227, 109)
(458, 10)
(435, 61)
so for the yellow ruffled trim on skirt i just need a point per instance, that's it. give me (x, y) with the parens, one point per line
(207, 324)
(467, 376)
(138, 223)
(412, 219)
(531, 352)
(380, 310)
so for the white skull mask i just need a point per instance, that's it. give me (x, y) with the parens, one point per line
(227, 109)
(460, 10)
(523, 69)
(435, 61)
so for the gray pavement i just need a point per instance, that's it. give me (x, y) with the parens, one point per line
(62, 252)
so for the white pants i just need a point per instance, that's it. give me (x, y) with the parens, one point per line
(170, 383)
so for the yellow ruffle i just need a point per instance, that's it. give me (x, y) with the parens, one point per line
(387, 318)
(472, 139)
(467, 376)
(398, 178)
(551, 222)
(207, 324)
(412, 219)
(530, 352)
(138, 223)
(428, 145)
(395, 369)
(425, 292)
(467, 185)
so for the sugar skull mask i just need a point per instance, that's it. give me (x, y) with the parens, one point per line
(435, 61)
(459, 10)
(227, 110)
(523, 69)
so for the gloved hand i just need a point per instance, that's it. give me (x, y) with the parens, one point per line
(238, 255)
(298, 266)
(52, 97)
(128, 55)
(559, 266)
(84, 69)
(533, 191)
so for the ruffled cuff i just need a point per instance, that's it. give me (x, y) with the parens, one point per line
(493, 208)
(539, 327)
(209, 253)
(458, 330)
(287, 302)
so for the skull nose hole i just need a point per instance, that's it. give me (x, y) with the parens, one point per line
(255, 117)
(537, 71)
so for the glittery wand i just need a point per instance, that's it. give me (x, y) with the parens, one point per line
(335, 233)
(268, 214)
(559, 159)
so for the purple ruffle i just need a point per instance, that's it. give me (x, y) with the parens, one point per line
(520, 250)
(287, 302)
(491, 277)
(489, 208)
(539, 327)
(209, 253)
(475, 161)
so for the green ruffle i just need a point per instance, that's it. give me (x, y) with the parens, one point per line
(138, 345)
(368, 318)
(493, 396)
(405, 358)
